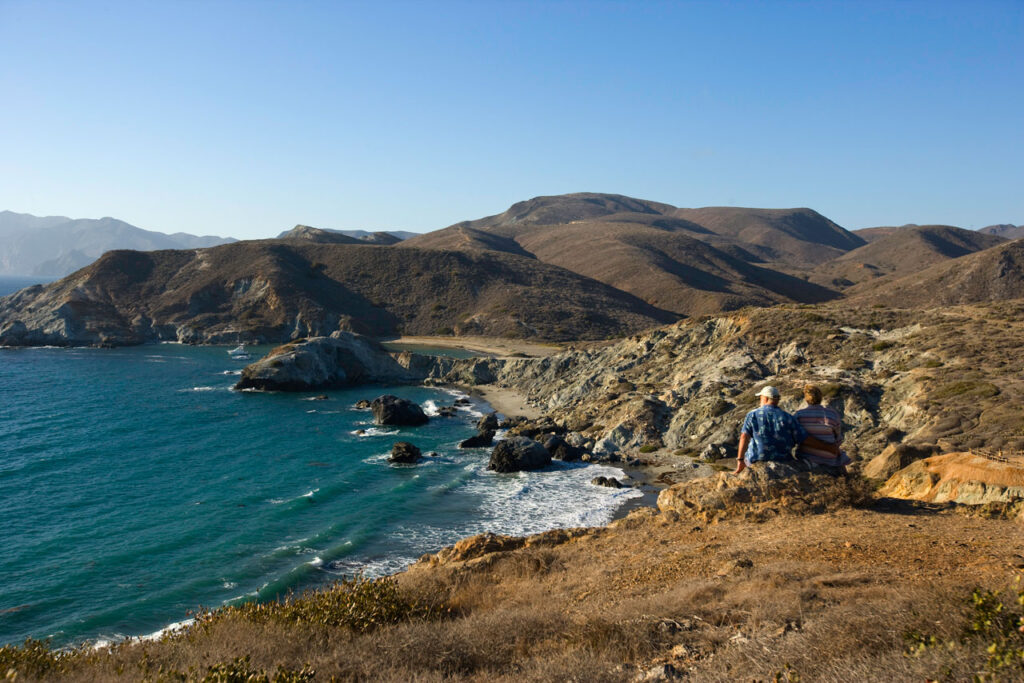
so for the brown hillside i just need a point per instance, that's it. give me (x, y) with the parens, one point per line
(798, 237)
(275, 290)
(903, 250)
(995, 274)
(642, 248)
(1007, 230)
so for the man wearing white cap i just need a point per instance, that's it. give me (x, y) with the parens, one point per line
(770, 433)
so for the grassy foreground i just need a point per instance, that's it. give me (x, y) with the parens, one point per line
(894, 591)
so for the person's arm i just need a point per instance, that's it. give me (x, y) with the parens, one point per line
(820, 445)
(744, 442)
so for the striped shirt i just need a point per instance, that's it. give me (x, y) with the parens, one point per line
(825, 425)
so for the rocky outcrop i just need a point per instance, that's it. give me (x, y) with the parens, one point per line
(405, 453)
(518, 454)
(958, 478)
(895, 457)
(342, 359)
(762, 490)
(392, 410)
(479, 548)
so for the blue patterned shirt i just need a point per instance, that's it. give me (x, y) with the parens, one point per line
(773, 432)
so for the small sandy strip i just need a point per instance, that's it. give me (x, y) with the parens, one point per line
(495, 346)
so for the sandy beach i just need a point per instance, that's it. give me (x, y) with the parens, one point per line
(493, 346)
(506, 401)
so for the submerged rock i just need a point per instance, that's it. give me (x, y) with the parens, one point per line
(404, 452)
(391, 410)
(610, 482)
(517, 454)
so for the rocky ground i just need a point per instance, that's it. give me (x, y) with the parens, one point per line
(946, 380)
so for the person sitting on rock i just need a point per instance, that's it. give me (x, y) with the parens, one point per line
(770, 433)
(824, 424)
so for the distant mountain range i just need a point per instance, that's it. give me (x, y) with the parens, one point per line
(577, 266)
(54, 246)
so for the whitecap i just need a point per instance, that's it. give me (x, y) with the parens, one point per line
(373, 431)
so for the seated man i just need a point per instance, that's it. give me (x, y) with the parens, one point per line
(770, 433)
(825, 425)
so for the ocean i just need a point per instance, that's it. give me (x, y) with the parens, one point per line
(135, 486)
(9, 285)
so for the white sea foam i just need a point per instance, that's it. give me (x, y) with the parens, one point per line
(430, 408)
(373, 431)
(232, 372)
(316, 562)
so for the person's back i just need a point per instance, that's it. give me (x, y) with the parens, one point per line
(825, 425)
(773, 433)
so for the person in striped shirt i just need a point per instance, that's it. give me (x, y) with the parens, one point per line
(825, 425)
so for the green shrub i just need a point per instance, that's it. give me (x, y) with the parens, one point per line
(883, 345)
(33, 658)
(649, 448)
(997, 623)
(965, 389)
(358, 604)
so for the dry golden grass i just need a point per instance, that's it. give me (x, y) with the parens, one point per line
(826, 597)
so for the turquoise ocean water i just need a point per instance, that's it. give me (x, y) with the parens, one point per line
(135, 485)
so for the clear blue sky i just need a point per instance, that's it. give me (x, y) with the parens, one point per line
(244, 118)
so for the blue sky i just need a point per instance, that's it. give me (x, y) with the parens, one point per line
(245, 118)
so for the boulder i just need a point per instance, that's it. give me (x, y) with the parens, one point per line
(518, 453)
(391, 410)
(404, 452)
(343, 359)
(487, 423)
(533, 428)
(560, 449)
(479, 441)
(895, 457)
(610, 482)
(363, 404)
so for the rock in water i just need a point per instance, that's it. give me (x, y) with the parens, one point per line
(343, 359)
(610, 482)
(560, 449)
(517, 454)
(482, 439)
(487, 423)
(391, 410)
(404, 452)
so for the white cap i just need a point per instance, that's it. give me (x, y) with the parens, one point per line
(769, 391)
